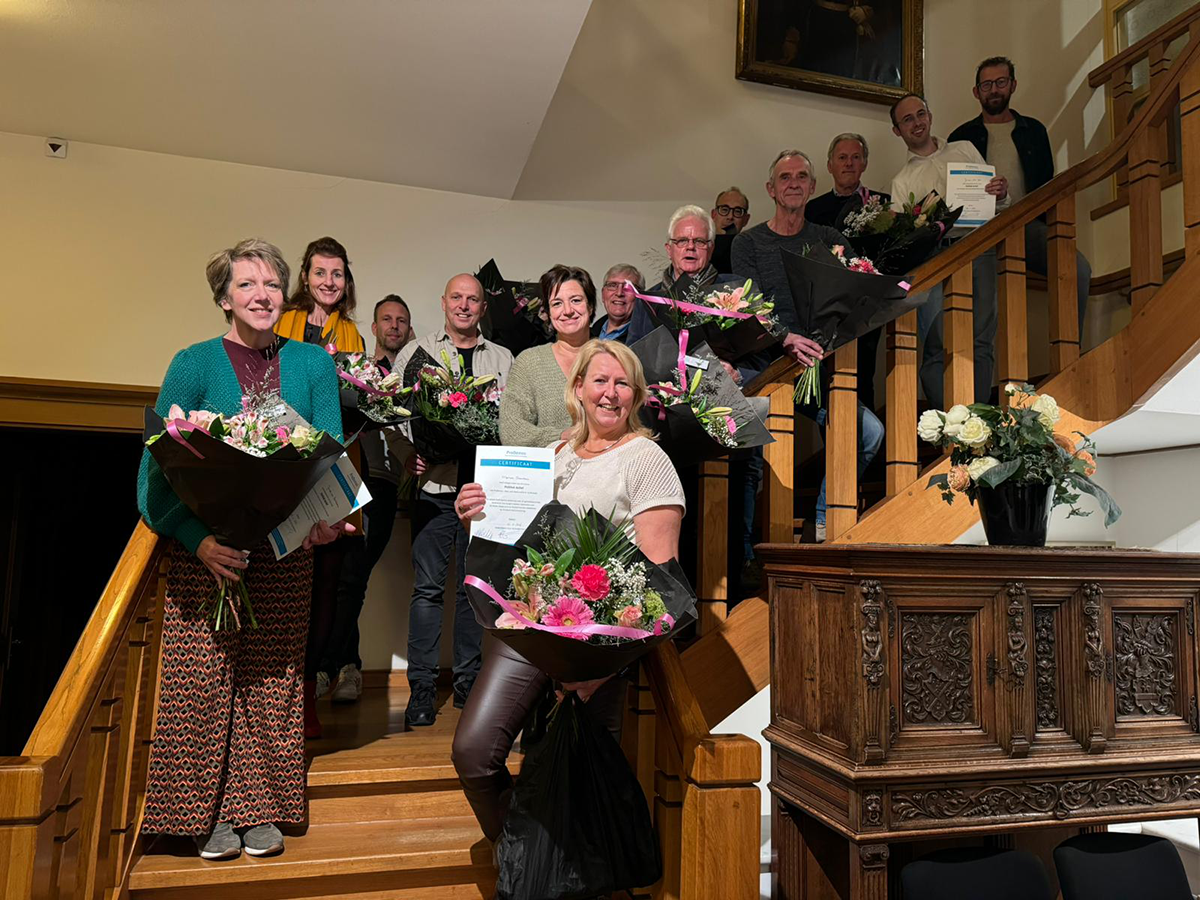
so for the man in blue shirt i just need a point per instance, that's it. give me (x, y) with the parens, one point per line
(626, 320)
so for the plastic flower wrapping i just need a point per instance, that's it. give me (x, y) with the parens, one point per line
(456, 411)
(514, 317)
(376, 395)
(897, 240)
(990, 445)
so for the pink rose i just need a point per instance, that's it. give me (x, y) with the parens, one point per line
(457, 399)
(629, 616)
(959, 479)
(731, 424)
(592, 583)
(508, 620)
(176, 412)
(331, 348)
(201, 418)
(282, 434)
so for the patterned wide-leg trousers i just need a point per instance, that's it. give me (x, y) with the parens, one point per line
(229, 738)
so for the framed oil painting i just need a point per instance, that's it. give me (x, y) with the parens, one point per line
(862, 49)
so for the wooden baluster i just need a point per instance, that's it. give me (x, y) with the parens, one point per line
(713, 528)
(1189, 110)
(958, 339)
(780, 462)
(1122, 105)
(1145, 219)
(841, 444)
(1160, 68)
(1062, 283)
(99, 746)
(668, 811)
(721, 820)
(901, 402)
(1012, 332)
(637, 737)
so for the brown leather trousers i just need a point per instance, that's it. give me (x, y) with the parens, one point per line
(505, 692)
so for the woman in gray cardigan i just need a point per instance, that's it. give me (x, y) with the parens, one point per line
(532, 411)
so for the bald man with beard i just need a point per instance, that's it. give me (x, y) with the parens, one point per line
(435, 526)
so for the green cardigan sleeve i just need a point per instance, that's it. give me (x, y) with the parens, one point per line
(323, 392)
(163, 511)
(532, 411)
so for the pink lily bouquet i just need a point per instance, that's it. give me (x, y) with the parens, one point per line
(378, 393)
(718, 421)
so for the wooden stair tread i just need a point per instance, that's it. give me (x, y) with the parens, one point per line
(326, 850)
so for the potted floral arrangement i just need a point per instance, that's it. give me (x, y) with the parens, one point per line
(1014, 464)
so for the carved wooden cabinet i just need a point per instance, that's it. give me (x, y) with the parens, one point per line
(933, 691)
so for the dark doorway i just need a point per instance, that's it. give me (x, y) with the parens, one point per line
(68, 504)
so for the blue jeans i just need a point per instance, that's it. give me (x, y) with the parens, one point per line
(983, 320)
(870, 437)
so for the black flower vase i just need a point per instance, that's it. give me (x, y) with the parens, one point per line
(1015, 515)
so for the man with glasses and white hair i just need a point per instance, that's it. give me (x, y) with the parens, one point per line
(625, 319)
(757, 254)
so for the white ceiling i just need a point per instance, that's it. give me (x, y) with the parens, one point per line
(445, 94)
(1169, 417)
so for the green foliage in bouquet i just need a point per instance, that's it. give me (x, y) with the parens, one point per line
(990, 445)
(471, 404)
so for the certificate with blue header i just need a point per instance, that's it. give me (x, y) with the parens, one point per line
(339, 492)
(517, 482)
(966, 185)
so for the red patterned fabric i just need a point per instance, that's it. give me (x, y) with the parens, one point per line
(229, 740)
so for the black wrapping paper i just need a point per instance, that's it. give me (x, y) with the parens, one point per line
(680, 433)
(240, 498)
(506, 323)
(897, 256)
(835, 305)
(436, 442)
(577, 825)
(563, 658)
(743, 338)
(356, 418)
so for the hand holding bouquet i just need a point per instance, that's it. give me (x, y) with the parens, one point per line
(378, 394)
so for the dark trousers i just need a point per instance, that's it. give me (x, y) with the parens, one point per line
(437, 531)
(327, 571)
(507, 690)
(379, 517)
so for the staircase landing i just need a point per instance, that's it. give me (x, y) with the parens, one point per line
(386, 821)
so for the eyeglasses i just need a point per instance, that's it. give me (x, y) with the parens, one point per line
(738, 211)
(614, 287)
(999, 83)
(689, 242)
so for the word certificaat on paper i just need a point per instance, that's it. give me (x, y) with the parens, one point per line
(517, 482)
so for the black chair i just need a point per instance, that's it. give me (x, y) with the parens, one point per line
(976, 873)
(1114, 866)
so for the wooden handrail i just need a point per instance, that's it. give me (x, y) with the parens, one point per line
(1135, 53)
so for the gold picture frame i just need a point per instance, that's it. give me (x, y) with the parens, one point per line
(857, 62)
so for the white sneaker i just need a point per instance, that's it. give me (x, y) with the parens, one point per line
(349, 685)
(322, 684)
(820, 535)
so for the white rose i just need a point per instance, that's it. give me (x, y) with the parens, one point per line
(1047, 409)
(977, 467)
(974, 432)
(955, 417)
(1011, 388)
(929, 428)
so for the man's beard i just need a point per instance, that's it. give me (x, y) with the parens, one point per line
(995, 105)
(393, 346)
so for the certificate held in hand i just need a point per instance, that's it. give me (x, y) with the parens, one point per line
(965, 183)
(517, 482)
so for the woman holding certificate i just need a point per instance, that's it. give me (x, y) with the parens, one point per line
(227, 763)
(532, 412)
(607, 462)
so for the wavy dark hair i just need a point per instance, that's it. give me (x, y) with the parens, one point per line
(558, 275)
(302, 299)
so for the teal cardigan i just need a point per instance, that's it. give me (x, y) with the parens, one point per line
(202, 377)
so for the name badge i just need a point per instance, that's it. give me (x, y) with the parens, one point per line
(695, 362)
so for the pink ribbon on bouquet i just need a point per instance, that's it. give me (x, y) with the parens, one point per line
(619, 631)
(176, 426)
(683, 342)
(362, 385)
(688, 307)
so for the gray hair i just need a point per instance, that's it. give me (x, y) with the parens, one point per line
(788, 154)
(848, 136)
(732, 189)
(691, 211)
(631, 273)
(219, 270)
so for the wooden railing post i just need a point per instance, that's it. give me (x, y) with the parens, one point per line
(1189, 112)
(901, 427)
(1145, 219)
(958, 338)
(841, 444)
(1012, 346)
(712, 559)
(780, 467)
(1062, 282)
(1121, 87)
(668, 811)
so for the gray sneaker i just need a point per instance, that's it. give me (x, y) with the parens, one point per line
(349, 685)
(322, 685)
(263, 840)
(223, 843)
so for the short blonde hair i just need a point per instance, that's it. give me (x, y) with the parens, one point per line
(219, 270)
(633, 371)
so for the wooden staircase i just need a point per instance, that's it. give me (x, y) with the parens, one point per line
(387, 820)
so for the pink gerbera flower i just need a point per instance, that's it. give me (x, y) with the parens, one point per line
(592, 583)
(568, 611)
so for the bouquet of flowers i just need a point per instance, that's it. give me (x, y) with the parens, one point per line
(992, 445)
(694, 408)
(898, 241)
(514, 317)
(241, 475)
(457, 411)
(734, 322)
(839, 298)
(371, 397)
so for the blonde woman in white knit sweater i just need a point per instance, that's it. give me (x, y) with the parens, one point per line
(606, 461)
(532, 412)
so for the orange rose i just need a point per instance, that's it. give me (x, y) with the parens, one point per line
(1064, 442)
(959, 479)
(1089, 462)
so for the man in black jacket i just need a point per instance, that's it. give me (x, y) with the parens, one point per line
(1019, 148)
